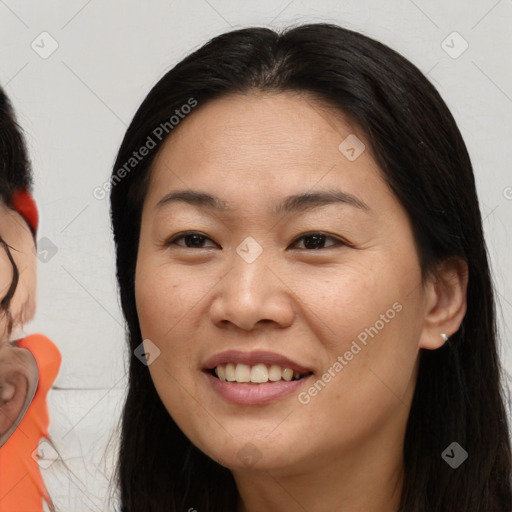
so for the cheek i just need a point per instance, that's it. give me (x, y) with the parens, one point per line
(165, 296)
(5, 273)
(170, 308)
(345, 299)
(163, 302)
(370, 316)
(159, 303)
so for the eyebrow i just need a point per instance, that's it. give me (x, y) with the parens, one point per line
(294, 203)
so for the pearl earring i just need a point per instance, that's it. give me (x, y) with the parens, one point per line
(445, 338)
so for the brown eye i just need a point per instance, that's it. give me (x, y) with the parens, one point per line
(312, 241)
(316, 241)
(193, 240)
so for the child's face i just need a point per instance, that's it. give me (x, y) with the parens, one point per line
(17, 367)
(16, 234)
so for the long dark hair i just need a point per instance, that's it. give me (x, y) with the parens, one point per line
(15, 174)
(458, 395)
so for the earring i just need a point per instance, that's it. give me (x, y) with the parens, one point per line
(445, 338)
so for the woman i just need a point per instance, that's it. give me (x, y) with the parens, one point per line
(304, 276)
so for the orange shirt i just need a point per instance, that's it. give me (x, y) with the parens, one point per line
(21, 485)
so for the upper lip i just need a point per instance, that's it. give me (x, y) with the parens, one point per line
(252, 358)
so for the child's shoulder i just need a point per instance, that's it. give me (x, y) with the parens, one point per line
(45, 352)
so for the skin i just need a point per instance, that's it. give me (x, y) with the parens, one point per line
(17, 365)
(343, 450)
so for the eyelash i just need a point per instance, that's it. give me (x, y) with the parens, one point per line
(338, 241)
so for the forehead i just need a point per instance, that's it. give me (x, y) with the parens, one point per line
(260, 144)
(262, 123)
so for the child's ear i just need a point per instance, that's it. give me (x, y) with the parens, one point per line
(18, 383)
(18, 248)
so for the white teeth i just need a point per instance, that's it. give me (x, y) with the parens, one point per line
(242, 373)
(275, 373)
(230, 372)
(258, 374)
(221, 372)
(287, 374)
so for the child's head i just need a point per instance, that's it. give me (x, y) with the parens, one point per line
(18, 225)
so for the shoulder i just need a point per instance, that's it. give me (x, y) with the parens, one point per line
(45, 352)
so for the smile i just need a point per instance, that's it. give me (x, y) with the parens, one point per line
(256, 374)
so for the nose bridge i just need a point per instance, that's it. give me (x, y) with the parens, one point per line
(250, 267)
(250, 250)
(251, 292)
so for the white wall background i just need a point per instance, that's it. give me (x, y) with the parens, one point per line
(76, 103)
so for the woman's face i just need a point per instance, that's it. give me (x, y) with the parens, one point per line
(346, 305)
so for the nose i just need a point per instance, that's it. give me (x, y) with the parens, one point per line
(252, 293)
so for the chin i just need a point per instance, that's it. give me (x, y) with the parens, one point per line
(254, 455)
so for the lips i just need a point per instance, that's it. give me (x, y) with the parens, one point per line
(254, 358)
(255, 392)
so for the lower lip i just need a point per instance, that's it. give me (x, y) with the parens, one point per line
(254, 394)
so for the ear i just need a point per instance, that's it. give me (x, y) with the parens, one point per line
(18, 383)
(445, 302)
